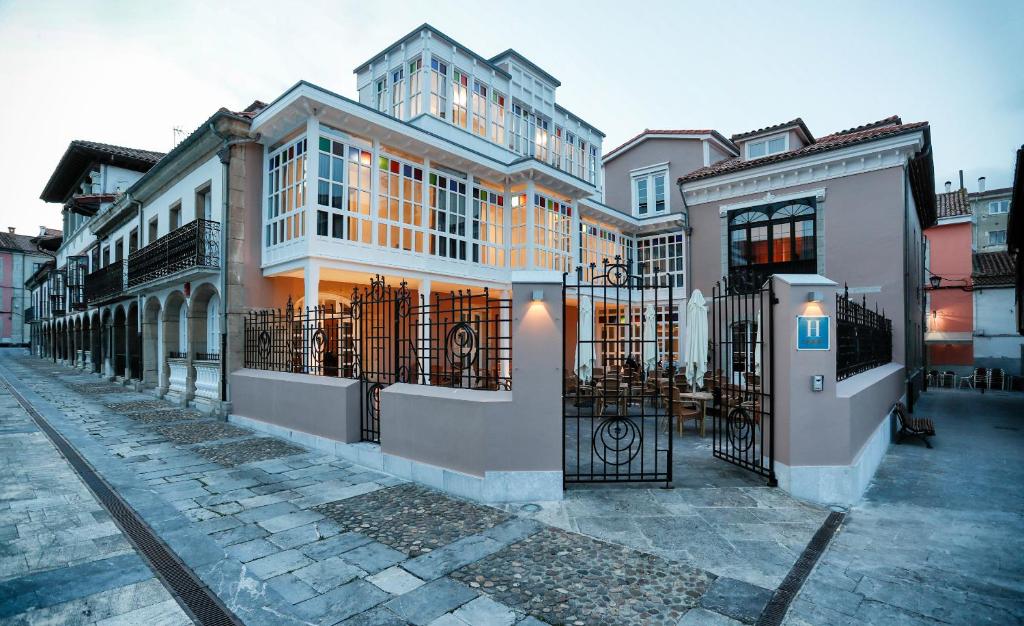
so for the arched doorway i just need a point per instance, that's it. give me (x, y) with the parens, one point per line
(175, 339)
(96, 343)
(120, 343)
(134, 341)
(151, 345)
(204, 320)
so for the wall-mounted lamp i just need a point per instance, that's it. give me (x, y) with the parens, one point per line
(814, 296)
(934, 280)
(537, 295)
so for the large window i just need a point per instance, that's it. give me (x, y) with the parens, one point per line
(996, 237)
(400, 205)
(552, 231)
(460, 98)
(592, 171)
(997, 207)
(598, 244)
(650, 192)
(448, 217)
(773, 239)
(570, 152)
(479, 109)
(330, 197)
(488, 227)
(767, 146)
(439, 88)
(397, 92)
(519, 138)
(415, 88)
(497, 117)
(541, 138)
(286, 194)
(661, 256)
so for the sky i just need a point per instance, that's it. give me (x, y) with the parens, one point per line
(128, 73)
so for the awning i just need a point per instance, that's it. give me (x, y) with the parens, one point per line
(936, 336)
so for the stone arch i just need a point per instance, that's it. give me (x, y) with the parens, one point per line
(95, 342)
(204, 332)
(118, 330)
(79, 354)
(133, 340)
(175, 368)
(152, 345)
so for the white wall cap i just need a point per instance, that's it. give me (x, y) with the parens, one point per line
(536, 276)
(806, 279)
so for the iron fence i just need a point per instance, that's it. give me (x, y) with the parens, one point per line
(194, 245)
(313, 340)
(863, 336)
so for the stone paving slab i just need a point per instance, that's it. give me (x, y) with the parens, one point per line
(248, 451)
(149, 416)
(563, 577)
(411, 518)
(138, 405)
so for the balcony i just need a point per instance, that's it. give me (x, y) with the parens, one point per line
(76, 281)
(58, 302)
(195, 245)
(107, 282)
(752, 278)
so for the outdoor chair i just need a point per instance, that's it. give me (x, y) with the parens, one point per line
(996, 379)
(966, 381)
(920, 427)
(948, 379)
(979, 379)
(686, 409)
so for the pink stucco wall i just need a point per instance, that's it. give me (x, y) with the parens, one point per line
(951, 308)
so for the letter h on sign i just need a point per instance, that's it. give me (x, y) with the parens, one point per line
(812, 332)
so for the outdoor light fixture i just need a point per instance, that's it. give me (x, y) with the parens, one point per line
(814, 296)
(537, 295)
(934, 280)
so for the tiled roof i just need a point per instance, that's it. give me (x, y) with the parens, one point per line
(952, 204)
(13, 241)
(888, 127)
(993, 268)
(760, 131)
(672, 131)
(119, 151)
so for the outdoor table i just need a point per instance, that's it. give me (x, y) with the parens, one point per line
(700, 396)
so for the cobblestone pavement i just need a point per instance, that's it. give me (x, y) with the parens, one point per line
(287, 536)
(939, 536)
(62, 558)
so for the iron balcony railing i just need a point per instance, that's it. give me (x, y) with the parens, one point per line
(106, 282)
(76, 270)
(863, 336)
(752, 278)
(58, 302)
(194, 245)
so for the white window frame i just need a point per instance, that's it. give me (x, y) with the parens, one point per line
(213, 324)
(397, 91)
(649, 174)
(766, 141)
(380, 93)
(1004, 204)
(996, 243)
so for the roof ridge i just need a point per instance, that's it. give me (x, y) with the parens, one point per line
(892, 120)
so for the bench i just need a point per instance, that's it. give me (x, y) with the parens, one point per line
(920, 427)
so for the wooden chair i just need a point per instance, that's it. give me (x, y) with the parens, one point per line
(920, 427)
(686, 409)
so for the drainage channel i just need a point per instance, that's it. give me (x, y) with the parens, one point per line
(195, 598)
(797, 576)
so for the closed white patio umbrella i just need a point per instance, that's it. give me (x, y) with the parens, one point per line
(650, 339)
(695, 351)
(757, 347)
(585, 358)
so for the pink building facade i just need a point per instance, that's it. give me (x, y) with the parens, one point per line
(950, 310)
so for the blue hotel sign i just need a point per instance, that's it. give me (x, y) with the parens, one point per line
(812, 332)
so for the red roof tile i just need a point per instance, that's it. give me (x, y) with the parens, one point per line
(798, 122)
(952, 204)
(888, 127)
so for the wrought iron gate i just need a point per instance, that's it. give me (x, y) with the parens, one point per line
(385, 317)
(618, 393)
(740, 374)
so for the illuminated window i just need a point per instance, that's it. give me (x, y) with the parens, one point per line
(439, 88)
(447, 217)
(488, 227)
(541, 138)
(774, 238)
(460, 98)
(598, 243)
(621, 329)
(497, 118)
(552, 231)
(400, 205)
(286, 194)
(397, 92)
(415, 87)
(480, 109)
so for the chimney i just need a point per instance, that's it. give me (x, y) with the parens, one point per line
(10, 229)
(949, 186)
(981, 184)
(961, 179)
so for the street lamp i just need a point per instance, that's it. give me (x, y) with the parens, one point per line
(934, 280)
